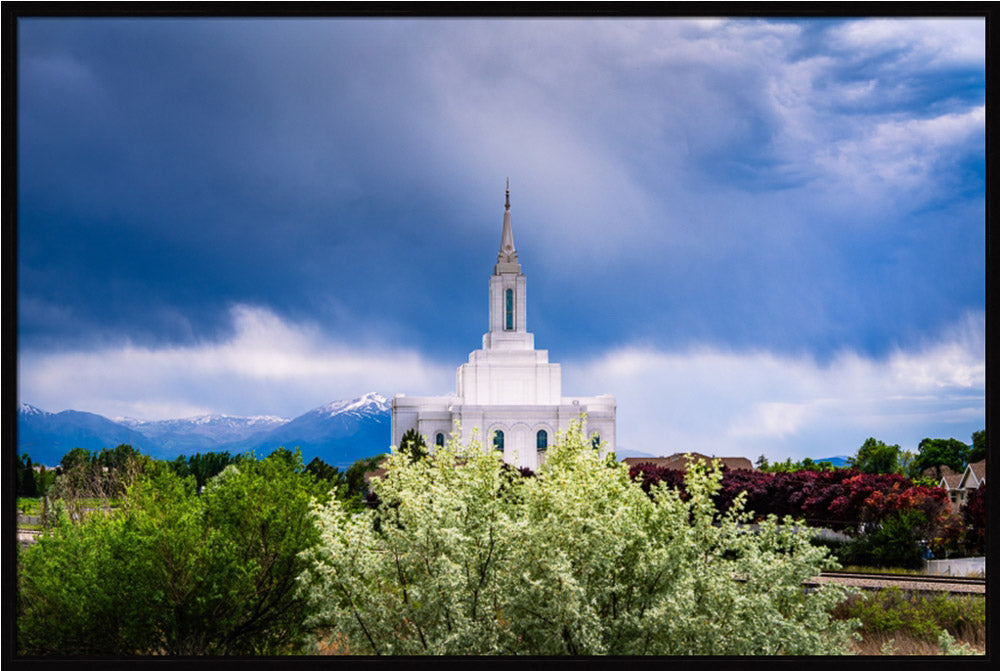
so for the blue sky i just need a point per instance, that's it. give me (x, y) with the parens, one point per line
(763, 236)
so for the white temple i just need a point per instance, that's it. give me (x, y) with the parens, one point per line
(508, 390)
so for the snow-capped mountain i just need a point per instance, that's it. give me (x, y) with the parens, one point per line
(182, 435)
(340, 432)
(47, 436)
(370, 403)
(23, 409)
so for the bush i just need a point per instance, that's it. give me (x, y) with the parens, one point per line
(463, 556)
(894, 612)
(173, 572)
(894, 542)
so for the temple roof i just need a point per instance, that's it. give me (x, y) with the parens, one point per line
(507, 257)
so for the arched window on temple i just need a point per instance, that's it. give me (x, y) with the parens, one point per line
(542, 440)
(439, 440)
(596, 440)
(498, 440)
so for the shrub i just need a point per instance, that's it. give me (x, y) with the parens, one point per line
(892, 612)
(894, 542)
(173, 572)
(462, 556)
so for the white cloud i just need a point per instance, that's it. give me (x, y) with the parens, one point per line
(629, 126)
(901, 154)
(749, 403)
(269, 366)
(709, 400)
(931, 42)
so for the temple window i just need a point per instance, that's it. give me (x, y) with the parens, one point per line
(509, 311)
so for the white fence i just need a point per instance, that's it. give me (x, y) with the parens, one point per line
(957, 567)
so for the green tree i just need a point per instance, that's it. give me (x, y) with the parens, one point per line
(892, 542)
(908, 464)
(936, 452)
(119, 458)
(353, 495)
(176, 573)
(413, 444)
(208, 464)
(464, 556)
(978, 451)
(324, 471)
(27, 483)
(874, 456)
(77, 457)
(180, 466)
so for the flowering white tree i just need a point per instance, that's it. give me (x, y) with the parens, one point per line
(466, 556)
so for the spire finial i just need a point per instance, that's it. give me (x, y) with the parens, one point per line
(507, 204)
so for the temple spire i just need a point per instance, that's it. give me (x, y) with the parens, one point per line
(508, 253)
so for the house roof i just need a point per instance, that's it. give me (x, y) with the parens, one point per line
(951, 480)
(377, 472)
(678, 461)
(974, 476)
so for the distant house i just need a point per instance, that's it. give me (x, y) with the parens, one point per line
(378, 472)
(959, 485)
(678, 461)
(950, 482)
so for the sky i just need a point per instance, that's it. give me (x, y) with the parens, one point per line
(763, 236)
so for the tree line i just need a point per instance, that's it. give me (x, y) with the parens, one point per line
(449, 553)
(874, 456)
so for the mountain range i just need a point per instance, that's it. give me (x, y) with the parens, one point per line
(339, 433)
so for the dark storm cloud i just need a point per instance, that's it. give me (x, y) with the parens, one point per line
(208, 162)
(806, 188)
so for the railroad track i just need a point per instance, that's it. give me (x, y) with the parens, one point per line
(917, 583)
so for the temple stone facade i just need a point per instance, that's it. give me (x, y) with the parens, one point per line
(508, 391)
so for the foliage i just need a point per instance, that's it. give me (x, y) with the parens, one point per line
(203, 466)
(843, 499)
(413, 444)
(978, 451)
(324, 471)
(789, 466)
(356, 492)
(893, 542)
(27, 485)
(908, 467)
(974, 516)
(894, 612)
(75, 457)
(874, 456)
(649, 475)
(950, 538)
(176, 573)
(29, 506)
(464, 556)
(118, 458)
(93, 480)
(935, 452)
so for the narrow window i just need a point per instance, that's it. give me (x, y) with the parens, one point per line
(542, 440)
(510, 310)
(498, 440)
(596, 441)
(439, 440)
